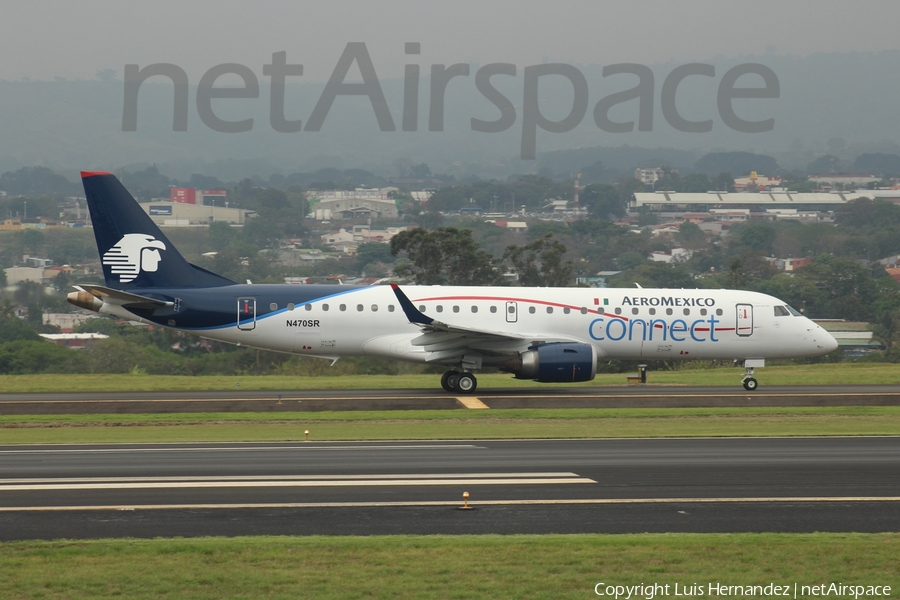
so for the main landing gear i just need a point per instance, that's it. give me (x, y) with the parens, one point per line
(458, 383)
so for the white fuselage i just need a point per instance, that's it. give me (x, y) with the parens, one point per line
(644, 324)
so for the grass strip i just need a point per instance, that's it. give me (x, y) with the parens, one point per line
(443, 567)
(457, 425)
(819, 374)
(438, 415)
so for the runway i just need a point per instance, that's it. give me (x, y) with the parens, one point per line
(649, 396)
(533, 486)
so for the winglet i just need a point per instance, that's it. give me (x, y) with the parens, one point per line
(412, 313)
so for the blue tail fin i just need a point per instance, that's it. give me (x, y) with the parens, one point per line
(133, 251)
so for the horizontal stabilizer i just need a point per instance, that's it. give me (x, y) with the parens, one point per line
(120, 298)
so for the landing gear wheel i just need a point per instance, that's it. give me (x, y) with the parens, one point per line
(750, 384)
(445, 381)
(465, 383)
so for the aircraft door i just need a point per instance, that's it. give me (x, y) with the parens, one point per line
(512, 312)
(744, 323)
(246, 314)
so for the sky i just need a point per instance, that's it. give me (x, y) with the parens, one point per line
(46, 39)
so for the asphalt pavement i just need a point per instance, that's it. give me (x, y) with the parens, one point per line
(518, 486)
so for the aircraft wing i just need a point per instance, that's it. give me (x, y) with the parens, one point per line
(120, 298)
(444, 341)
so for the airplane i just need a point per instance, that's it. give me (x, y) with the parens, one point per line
(549, 335)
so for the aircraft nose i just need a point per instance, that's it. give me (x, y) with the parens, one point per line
(823, 340)
(829, 342)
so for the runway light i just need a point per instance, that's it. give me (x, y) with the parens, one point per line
(465, 505)
(306, 433)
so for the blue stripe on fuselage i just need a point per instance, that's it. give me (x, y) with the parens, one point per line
(216, 308)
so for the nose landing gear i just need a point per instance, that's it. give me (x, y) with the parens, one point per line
(458, 383)
(750, 383)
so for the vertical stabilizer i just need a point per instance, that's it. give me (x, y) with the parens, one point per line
(134, 252)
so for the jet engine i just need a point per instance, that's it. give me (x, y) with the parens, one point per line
(557, 362)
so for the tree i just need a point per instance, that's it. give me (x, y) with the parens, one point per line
(758, 236)
(877, 163)
(736, 162)
(602, 201)
(540, 263)
(690, 235)
(36, 181)
(823, 165)
(445, 256)
(693, 183)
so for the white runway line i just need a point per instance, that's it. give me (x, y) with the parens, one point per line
(270, 483)
(33, 480)
(306, 447)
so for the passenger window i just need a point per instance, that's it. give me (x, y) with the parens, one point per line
(531, 309)
(308, 307)
(618, 311)
(342, 307)
(439, 308)
(549, 310)
(291, 306)
(567, 310)
(669, 311)
(474, 309)
(702, 312)
(374, 308)
(359, 307)
(421, 308)
(325, 307)
(634, 311)
(583, 310)
(390, 308)
(687, 312)
(273, 306)
(781, 311)
(456, 309)
(719, 312)
(511, 309)
(652, 311)
(493, 309)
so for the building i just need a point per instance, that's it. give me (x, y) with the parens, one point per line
(361, 203)
(17, 275)
(756, 182)
(842, 181)
(791, 264)
(651, 176)
(192, 195)
(186, 214)
(359, 234)
(672, 201)
(75, 341)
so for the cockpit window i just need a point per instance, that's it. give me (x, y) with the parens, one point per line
(782, 311)
(794, 311)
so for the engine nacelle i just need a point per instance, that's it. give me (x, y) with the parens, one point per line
(558, 362)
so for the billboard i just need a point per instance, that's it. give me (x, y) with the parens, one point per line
(161, 211)
(183, 195)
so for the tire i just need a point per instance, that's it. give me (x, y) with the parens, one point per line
(750, 384)
(452, 378)
(444, 381)
(466, 383)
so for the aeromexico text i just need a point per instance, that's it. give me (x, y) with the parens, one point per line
(668, 301)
